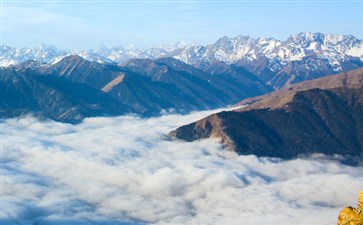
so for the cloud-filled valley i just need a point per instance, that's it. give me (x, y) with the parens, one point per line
(126, 170)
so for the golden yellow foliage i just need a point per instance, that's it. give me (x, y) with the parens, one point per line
(352, 216)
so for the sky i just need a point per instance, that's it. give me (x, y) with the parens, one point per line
(88, 24)
(127, 171)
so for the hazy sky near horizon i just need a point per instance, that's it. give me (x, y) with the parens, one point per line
(88, 24)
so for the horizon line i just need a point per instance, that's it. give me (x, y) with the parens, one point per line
(194, 43)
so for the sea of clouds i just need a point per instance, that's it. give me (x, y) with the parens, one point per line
(126, 170)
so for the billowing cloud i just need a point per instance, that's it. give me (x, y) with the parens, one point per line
(126, 170)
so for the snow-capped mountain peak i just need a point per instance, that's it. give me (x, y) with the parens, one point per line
(275, 54)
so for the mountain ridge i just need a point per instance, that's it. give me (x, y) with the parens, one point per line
(346, 44)
(300, 57)
(325, 119)
(141, 86)
(351, 78)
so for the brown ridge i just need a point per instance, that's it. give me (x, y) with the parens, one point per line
(281, 97)
(113, 83)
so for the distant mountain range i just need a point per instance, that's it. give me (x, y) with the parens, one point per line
(301, 57)
(50, 54)
(319, 116)
(74, 88)
(70, 85)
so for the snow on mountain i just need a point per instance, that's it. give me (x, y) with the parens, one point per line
(301, 57)
(90, 55)
(332, 48)
(296, 47)
(42, 53)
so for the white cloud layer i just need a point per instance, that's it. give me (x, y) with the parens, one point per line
(125, 170)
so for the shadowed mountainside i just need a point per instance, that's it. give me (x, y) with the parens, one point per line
(74, 88)
(319, 116)
(53, 97)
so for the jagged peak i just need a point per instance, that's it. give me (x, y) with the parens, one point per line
(70, 59)
(228, 49)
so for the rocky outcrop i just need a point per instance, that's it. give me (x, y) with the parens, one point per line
(324, 116)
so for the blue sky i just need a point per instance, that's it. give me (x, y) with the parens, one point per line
(88, 24)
